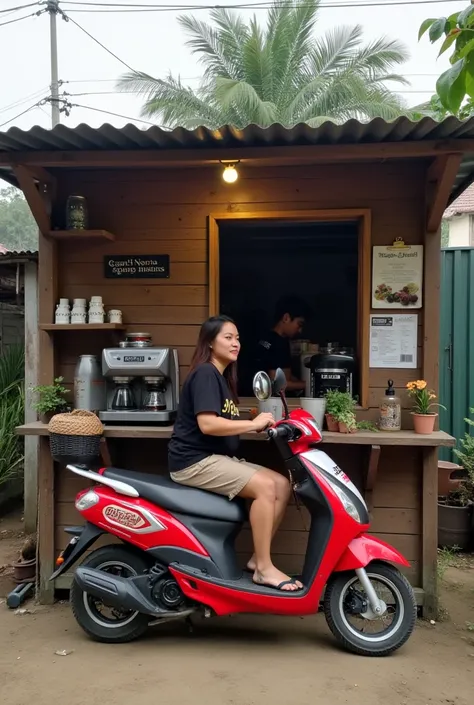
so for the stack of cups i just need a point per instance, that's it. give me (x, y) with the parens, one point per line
(62, 314)
(96, 310)
(79, 312)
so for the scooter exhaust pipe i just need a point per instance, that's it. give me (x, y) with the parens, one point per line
(114, 591)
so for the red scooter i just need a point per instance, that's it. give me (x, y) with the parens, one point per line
(178, 558)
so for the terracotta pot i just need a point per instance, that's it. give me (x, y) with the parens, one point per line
(446, 483)
(24, 571)
(424, 423)
(331, 423)
(344, 429)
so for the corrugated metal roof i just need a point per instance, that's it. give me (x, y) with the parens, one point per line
(18, 255)
(107, 137)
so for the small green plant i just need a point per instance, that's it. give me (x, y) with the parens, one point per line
(366, 426)
(465, 494)
(340, 405)
(446, 557)
(51, 397)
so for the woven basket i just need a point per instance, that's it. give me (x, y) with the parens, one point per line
(75, 437)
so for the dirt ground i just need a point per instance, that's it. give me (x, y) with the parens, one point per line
(242, 660)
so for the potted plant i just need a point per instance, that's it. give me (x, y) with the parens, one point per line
(340, 408)
(423, 401)
(50, 399)
(456, 511)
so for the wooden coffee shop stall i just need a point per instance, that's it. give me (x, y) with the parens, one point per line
(169, 241)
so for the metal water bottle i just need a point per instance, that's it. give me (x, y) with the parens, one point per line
(89, 385)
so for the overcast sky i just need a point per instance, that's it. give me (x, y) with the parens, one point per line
(153, 42)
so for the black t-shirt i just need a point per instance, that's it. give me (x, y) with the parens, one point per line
(205, 390)
(273, 351)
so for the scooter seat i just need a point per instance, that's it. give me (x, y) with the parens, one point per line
(178, 498)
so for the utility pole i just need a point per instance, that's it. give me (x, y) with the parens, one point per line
(52, 7)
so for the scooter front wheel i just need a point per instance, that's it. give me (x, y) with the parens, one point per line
(351, 620)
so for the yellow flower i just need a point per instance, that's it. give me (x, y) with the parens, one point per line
(432, 396)
(420, 384)
(411, 386)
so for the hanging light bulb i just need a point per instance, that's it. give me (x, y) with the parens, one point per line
(230, 173)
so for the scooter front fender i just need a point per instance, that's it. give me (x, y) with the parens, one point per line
(364, 549)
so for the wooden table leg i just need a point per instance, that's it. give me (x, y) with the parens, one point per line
(45, 522)
(372, 470)
(430, 532)
(105, 452)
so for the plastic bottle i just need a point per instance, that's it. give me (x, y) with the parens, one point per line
(390, 413)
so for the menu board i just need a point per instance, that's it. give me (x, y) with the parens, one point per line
(397, 276)
(393, 341)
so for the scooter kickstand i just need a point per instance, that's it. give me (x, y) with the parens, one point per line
(189, 623)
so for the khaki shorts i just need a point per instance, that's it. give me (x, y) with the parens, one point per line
(219, 474)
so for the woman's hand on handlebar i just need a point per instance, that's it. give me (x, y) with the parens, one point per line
(263, 421)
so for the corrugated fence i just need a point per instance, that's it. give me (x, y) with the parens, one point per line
(456, 356)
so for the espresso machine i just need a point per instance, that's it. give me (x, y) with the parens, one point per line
(142, 382)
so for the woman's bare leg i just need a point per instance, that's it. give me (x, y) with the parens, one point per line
(262, 490)
(283, 493)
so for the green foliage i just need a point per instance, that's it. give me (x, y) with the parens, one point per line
(51, 397)
(457, 33)
(18, 229)
(12, 411)
(465, 494)
(436, 110)
(280, 73)
(340, 405)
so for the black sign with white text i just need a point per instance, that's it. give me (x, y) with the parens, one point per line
(136, 266)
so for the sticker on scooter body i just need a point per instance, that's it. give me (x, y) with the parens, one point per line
(322, 460)
(123, 517)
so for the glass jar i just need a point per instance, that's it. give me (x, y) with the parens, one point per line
(390, 411)
(77, 217)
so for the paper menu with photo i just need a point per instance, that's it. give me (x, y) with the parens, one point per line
(394, 341)
(397, 276)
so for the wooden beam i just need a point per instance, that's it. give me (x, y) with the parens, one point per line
(31, 376)
(257, 155)
(41, 175)
(440, 181)
(429, 532)
(33, 197)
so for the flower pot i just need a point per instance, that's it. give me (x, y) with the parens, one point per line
(24, 571)
(331, 423)
(446, 483)
(424, 423)
(343, 428)
(454, 526)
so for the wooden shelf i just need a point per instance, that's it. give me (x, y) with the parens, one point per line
(81, 235)
(81, 326)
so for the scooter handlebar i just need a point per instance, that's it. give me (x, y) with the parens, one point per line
(278, 432)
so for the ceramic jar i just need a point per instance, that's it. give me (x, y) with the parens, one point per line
(115, 316)
(79, 311)
(96, 310)
(62, 313)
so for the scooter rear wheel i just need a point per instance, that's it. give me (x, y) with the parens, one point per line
(340, 603)
(90, 613)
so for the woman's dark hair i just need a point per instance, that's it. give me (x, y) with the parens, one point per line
(210, 329)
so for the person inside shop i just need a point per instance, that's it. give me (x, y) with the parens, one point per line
(205, 440)
(273, 349)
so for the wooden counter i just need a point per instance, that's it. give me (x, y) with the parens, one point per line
(380, 438)
(397, 473)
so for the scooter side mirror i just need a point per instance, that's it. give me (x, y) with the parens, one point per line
(279, 382)
(262, 386)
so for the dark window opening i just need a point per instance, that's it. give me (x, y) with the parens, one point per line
(317, 262)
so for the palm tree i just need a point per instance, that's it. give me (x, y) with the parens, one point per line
(280, 74)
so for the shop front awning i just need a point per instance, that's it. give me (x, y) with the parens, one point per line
(62, 146)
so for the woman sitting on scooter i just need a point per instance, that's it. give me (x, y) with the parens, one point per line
(206, 438)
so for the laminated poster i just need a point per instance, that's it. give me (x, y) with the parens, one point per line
(393, 341)
(397, 276)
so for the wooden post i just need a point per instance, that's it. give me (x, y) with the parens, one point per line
(31, 376)
(47, 293)
(432, 273)
(429, 524)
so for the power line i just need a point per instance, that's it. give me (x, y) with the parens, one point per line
(113, 8)
(25, 17)
(67, 18)
(35, 105)
(22, 101)
(19, 7)
(108, 112)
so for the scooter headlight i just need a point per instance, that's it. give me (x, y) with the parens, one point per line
(88, 500)
(348, 505)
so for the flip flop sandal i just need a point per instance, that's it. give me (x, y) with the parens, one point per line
(279, 587)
